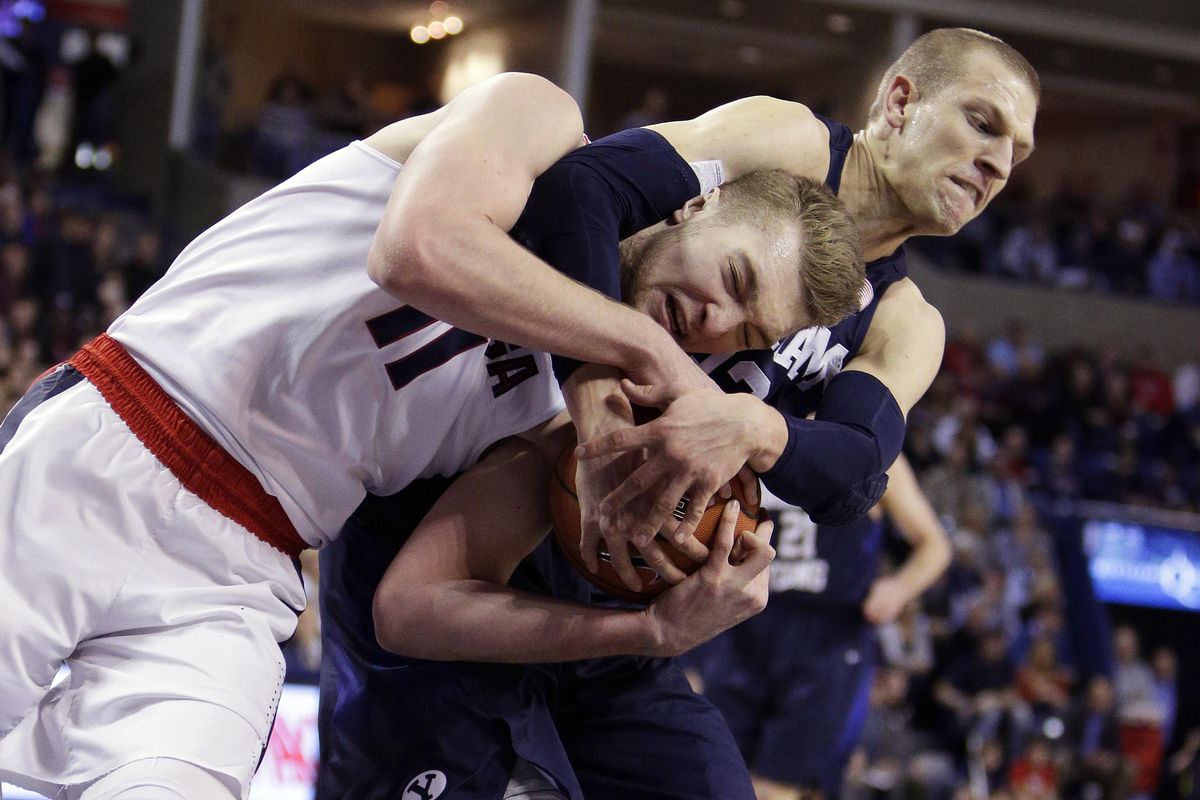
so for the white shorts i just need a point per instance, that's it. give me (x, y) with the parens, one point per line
(167, 613)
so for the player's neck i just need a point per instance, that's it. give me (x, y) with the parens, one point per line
(883, 220)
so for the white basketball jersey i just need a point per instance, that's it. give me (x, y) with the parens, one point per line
(269, 333)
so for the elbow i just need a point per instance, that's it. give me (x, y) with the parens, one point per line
(407, 257)
(851, 503)
(557, 112)
(941, 550)
(394, 630)
(401, 258)
(835, 491)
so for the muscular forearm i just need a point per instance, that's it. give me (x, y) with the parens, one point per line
(478, 279)
(472, 620)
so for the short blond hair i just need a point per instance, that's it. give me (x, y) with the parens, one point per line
(831, 269)
(939, 58)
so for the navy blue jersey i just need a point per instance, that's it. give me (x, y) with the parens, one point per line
(792, 375)
(822, 565)
(389, 725)
(794, 685)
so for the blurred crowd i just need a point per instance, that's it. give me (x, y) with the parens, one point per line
(1008, 416)
(69, 264)
(297, 122)
(978, 692)
(1139, 248)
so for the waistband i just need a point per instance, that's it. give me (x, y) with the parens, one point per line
(192, 456)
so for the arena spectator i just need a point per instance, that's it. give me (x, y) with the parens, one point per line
(1172, 273)
(1139, 712)
(144, 266)
(1043, 683)
(655, 107)
(907, 642)
(346, 108)
(93, 79)
(23, 66)
(954, 490)
(284, 126)
(1184, 769)
(1029, 253)
(977, 689)
(1165, 665)
(894, 759)
(1034, 775)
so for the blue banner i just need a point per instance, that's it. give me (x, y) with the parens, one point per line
(1138, 564)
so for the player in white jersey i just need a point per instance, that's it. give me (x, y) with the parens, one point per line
(263, 387)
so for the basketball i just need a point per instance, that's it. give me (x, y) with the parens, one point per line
(565, 515)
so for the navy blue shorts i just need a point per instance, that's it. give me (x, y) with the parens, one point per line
(634, 728)
(793, 684)
(617, 728)
(50, 383)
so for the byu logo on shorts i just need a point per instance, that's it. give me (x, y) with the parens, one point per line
(426, 786)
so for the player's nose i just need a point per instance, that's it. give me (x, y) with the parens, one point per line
(996, 162)
(718, 318)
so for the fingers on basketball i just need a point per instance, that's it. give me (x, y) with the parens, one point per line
(565, 514)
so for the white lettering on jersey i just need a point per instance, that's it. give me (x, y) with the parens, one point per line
(809, 351)
(797, 567)
(752, 375)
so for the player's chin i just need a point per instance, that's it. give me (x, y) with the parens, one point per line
(947, 218)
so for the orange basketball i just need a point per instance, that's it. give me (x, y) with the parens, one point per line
(564, 511)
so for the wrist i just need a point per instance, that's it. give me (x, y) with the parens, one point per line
(768, 434)
(648, 350)
(595, 401)
(653, 634)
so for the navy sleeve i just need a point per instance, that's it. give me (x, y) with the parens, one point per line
(834, 466)
(580, 208)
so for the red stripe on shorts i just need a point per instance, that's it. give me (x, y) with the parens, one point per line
(194, 457)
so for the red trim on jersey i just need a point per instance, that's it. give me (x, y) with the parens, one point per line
(194, 457)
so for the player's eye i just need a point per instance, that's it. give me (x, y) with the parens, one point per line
(736, 279)
(980, 123)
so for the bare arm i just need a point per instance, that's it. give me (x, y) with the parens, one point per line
(754, 133)
(903, 347)
(444, 598)
(443, 245)
(908, 508)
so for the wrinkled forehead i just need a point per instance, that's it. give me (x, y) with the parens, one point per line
(988, 77)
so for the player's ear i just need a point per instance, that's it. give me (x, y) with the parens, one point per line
(697, 204)
(901, 92)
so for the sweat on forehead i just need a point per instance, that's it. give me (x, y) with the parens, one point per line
(830, 271)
